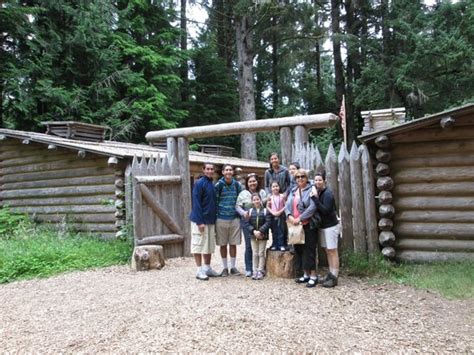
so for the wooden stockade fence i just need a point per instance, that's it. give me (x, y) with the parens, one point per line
(350, 177)
(158, 211)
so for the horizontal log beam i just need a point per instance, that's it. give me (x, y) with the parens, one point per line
(435, 245)
(59, 201)
(417, 175)
(433, 135)
(57, 174)
(91, 227)
(431, 149)
(432, 256)
(434, 203)
(441, 160)
(55, 165)
(435, 189)
(78, 181)
(235, 128)
(35, 157)
(434, 230)
(58, 191)
(66, 209)
(435, 216)
(160, 239)
(78, 218)
(170, 179)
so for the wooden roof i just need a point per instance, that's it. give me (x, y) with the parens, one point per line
(124, 150)
(419, 122)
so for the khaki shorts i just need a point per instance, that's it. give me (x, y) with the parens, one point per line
(228, 232)
(203, 243)
(329, 237)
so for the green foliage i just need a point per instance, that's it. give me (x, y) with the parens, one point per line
(450, 279)
(267, 143)
(40, 252)
(9, 221)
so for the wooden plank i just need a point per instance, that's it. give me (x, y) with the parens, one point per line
(183, 160)
(435, 216)
(60, 201)
(435, 245)
(434, 135)
(66, 209)
(441, 189)
(285, 144)
(332, 172)
(150, 180)
(59, 191)
(434, 230)
(38, 156)
(137, 210)
(422, 149)
(91, 227)
(345, 200)
(431, 256)
(57, 174)
(369, 201)
(128, 195)
(159, 210)
(358, 212)
(161, 239)
(84, 181)
(442, 160)
(433, 203)
(234, 128)
(433, 174)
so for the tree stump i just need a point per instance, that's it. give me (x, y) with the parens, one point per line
(148, 257)
(281, 264)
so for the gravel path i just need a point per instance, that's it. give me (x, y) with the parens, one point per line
(115, 310)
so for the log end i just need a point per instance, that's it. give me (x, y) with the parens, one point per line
(147, 257)
(386, 238)
(388, 252)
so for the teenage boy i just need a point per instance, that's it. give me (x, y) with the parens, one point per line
(203, 219)
(228, 221)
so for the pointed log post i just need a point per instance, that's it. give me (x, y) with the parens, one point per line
(331, 173)
(358, 213)
(285, 143)
(301, 135)
(369, 201)
(183, 160)
(345, 199)
(171, 147)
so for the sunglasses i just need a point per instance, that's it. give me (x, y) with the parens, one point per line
(251, 174)
(300, 176)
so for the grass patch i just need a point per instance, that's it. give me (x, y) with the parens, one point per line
(451, 279)
(32, 251)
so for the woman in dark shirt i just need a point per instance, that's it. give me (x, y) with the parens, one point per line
(329, 229)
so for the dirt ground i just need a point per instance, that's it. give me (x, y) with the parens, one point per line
(115, 310)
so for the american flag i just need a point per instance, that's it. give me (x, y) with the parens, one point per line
(342, 116)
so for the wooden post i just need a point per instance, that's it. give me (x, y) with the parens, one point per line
(171, 147)
(301, 135)
(345, 199)
(369, 201)
(331, 173)
(285, 142)
(358, 214)
(183, 160)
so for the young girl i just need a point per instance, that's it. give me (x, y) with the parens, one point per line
(276, 207)
(258, 226)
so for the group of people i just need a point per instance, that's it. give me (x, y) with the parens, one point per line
(222, 212)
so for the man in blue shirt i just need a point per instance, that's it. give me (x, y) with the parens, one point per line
(228, 221)
(203, 220)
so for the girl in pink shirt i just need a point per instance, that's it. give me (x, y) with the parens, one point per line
(276, 207)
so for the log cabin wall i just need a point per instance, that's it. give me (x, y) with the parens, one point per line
(433, 173)
(55, 185)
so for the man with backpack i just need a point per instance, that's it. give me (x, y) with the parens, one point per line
(228, 221)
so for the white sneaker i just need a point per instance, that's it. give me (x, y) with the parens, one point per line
(212, 273)
(248, 273)
(201, 275)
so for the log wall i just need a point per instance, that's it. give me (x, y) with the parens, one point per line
(57, 185)
(433, 195)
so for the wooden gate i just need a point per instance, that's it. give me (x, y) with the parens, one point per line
(158, 211)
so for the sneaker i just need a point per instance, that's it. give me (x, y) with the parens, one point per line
(212, 273)
(224, 273)
(312, 282)
(259, 276)
(282, 249)
(254, 275)
(201, 275)
(330, 281)
(248, 273)
(302, 280)
(291, 249)
(273, 248)
(235, 272)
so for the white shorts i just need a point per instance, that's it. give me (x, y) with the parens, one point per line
(328, 237)
(205, 242)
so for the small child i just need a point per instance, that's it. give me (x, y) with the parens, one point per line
(258, 226)
(276, 207)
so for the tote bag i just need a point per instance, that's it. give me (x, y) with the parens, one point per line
(295, 233)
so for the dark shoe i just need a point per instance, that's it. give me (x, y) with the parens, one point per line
(225, 272)
(291, 249)
(235, 272)
(312, 282)
(330, 281)
(302, 280)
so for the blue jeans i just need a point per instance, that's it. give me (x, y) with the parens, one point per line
(279, 234)
(248, 245)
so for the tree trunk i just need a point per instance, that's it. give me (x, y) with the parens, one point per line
(275, 89)
(183, 73)
(336, 45)
(246, 86)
